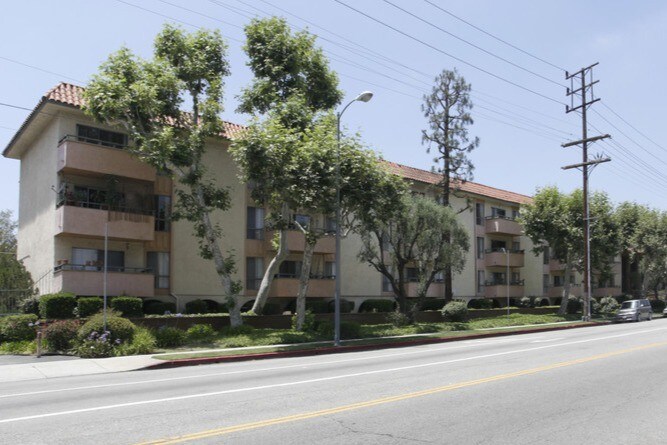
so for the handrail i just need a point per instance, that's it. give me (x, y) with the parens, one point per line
(508, 218)
(503, 251)
(92, 141)
(100, 268)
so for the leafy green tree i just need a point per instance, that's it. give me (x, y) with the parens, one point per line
(628, 216)
(15, 281)
(292, 87)
(447, 110)
(554, 220)
(145, 98)
(649, 249)
(413, 232)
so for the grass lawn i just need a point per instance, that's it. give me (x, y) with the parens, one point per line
(367, 334)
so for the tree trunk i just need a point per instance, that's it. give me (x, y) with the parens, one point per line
(218, 259)
(274, 265)
(303, 284)
(566, 287)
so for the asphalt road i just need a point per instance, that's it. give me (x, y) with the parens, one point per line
(602, 385)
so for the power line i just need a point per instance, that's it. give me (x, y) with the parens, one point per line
(39, 69)
(493, 36)
(393, 28)
(633, 127)
(423, 20)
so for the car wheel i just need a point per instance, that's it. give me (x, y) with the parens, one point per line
(638, 318)
(650, 317)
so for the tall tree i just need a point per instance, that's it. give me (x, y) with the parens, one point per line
(554, 221)
(413, 232)
(628, 216)
(145, 98)
(447, 110)
(15, 281)
(292, 84)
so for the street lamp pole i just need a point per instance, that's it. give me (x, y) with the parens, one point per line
(363, 97)
(507, 278)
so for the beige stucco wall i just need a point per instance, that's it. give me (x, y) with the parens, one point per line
(532, 271)
(464, 283)
(37, 204)
(192, 275)
(357, 279)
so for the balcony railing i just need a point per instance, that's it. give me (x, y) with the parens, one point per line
(97, 267)
(68, 198)
(504, 283)
(502, 225)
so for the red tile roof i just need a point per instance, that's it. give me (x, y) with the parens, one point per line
(427, 177)
(72, 95)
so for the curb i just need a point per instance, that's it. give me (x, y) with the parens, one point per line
(352, 348)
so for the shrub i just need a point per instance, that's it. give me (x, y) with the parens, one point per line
(154, 307)
(88, 306)
(128, 306)
(30, 305)
(317, 306)
(309, 322)
(398, 319)
(54, 306)
(18, 347)
(574, 305)
(168, 337)
(525, 302)
(143, 342)
(212, 307)
(170, 307)
(120, 328)
(346, 306)
(348, 329)
(201, 333)
(17, 328)
(97, 345)
(481, 303)
(269, 309)
(455, 311)
(657, 305)
(432, 304)
(60, 335)
(196, 307)
(377, 305)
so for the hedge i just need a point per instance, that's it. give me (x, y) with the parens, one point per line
(17, 328)
(88, 306)
(196, 307)
(128, 306)
(376, 305)
(57, 306)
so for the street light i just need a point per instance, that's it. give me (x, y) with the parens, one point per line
(507, 278)
(363, 97)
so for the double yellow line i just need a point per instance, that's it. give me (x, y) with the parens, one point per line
(392, 399)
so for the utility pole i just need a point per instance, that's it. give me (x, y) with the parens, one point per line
(580, 87)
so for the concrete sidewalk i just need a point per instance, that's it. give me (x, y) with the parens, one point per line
(37, 368)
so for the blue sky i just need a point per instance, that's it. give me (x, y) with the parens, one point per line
(520, 131)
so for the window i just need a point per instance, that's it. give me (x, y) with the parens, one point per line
(254, 272)
(162, 213)
(545, 283)
(516, 246)
(497, 213)
(93, 135)
(480, 248)
(516, 278)
(289, 269)
(255, 223)
(93, 259)
(412, 274)
(497, 245)
(303, 220)
(330, 224)
(558, 281)
(499, 278)
(158, 262)
(480, 281)
(439, 277)
(515, 213)
(386, 285)
(545, 257)
(479, 213)
(329, 269)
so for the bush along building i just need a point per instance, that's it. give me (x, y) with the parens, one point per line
(79, 186)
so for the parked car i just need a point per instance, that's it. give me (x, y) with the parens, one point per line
(664, 312)
(634, 310)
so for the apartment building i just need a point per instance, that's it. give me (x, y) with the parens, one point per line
(80, 189)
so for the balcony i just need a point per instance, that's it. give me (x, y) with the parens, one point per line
(289, 287)
(502, 225)
(296, 242)
(557, 291)
(498, 289)
(89, 280)
(90, 222)
(495, 257)
(555, 265)
(80, 157)
(436, 289)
